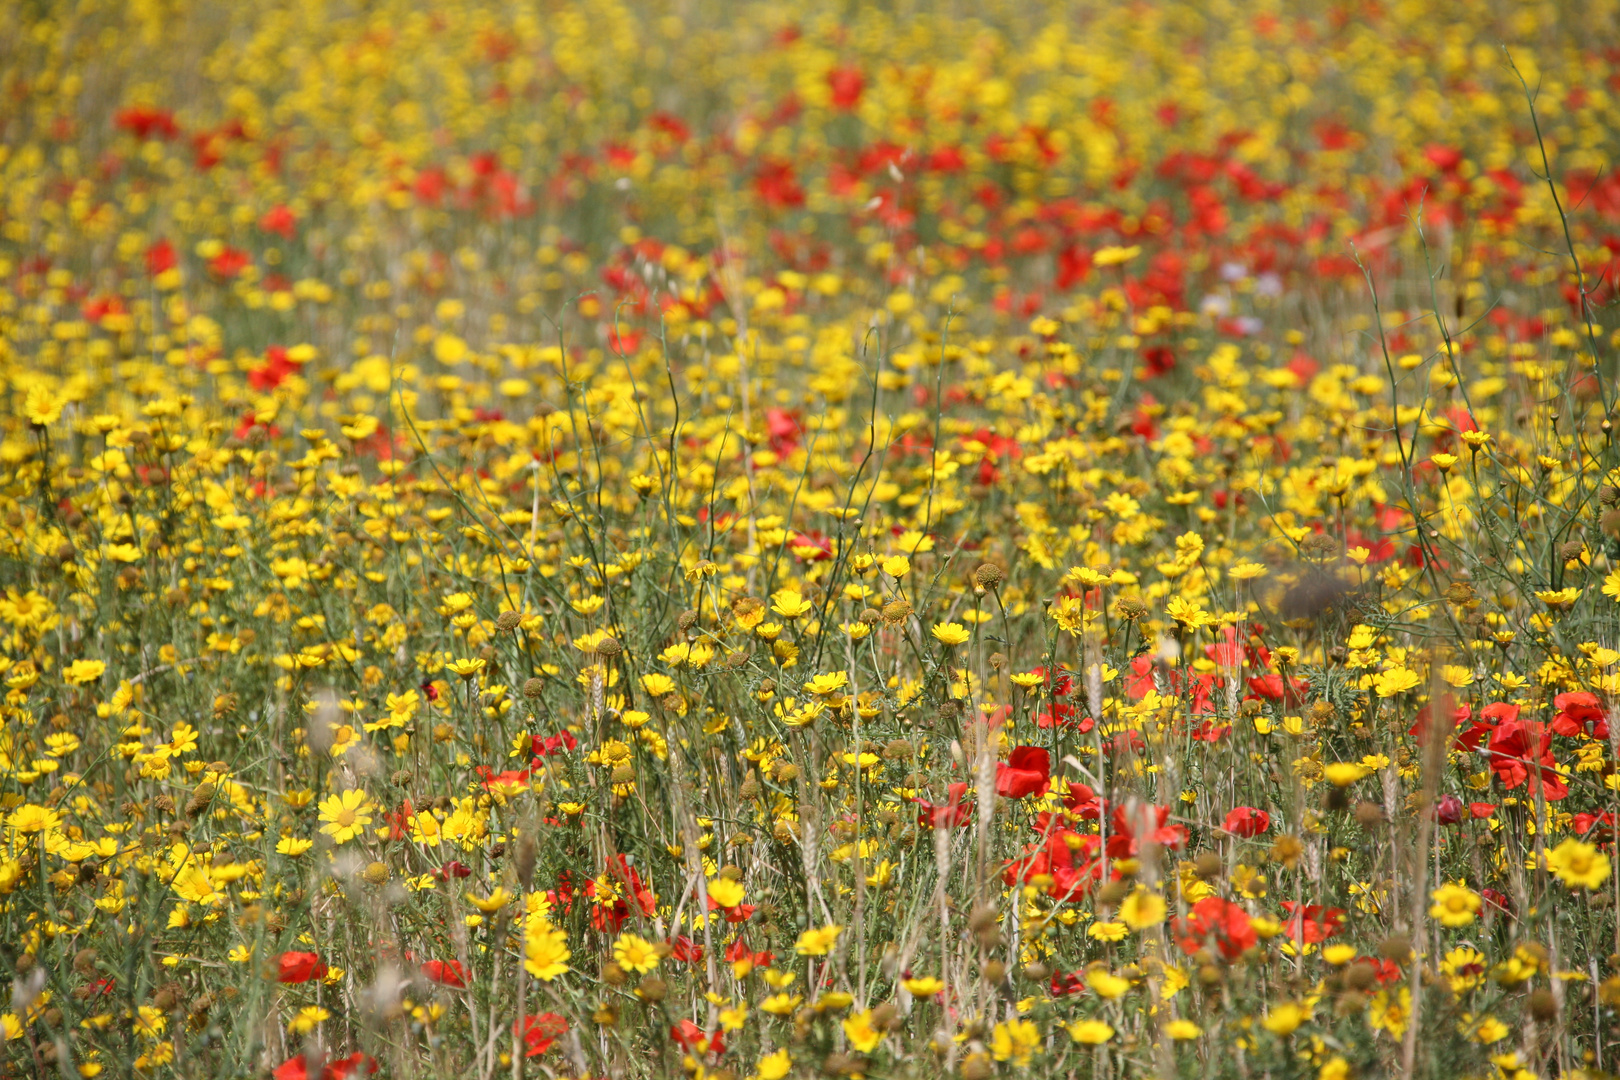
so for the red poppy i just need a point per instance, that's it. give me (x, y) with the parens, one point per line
(1027, 771)
(1246, 821)
(737, 913)
(1081, 801)
(1385, 971)
(561, 742)
(1580, 712)
(1216, 921)
(228, 263)
(954, 813)
(446, 973)
(452, 869)
(539, 1032)
(1599, 827)
(846, 84)
(1518, 745)
(683, 949)
(690, 1036)
(1148, 822)
(299, 967)
(1312, 923)
(298, 1068)
(739, 950)
(611, 916)
(1449, 810)
(1065, 984)
(160, 257)
(279, 219)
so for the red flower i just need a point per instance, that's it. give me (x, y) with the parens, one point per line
(739, 950)
(539, 1032)
(446, 973)
(297, 1068)
(1580, 712)
(1218, 922)
(279, 219)
(683, 949)
(1065, 984)
(1123, 841)
(1081, 801)
(953, 813)
(1312, 923)
(299, 967)
(228, 263)
(553, 744)
(145, 122)
(1027, 771)
(160, 257)
(1246, 821)
(846, 84)
(1449, 810)
(1513, 745)
(690, 1036)
(612, 916)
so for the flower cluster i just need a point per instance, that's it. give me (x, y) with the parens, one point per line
(753, 541)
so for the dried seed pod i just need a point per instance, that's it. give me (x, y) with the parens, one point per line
(198, 803)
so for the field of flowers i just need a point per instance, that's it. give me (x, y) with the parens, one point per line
(743, 539)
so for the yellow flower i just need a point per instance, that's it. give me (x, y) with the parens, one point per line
(83, 671)
(345, 816)
(925, 986)
(1339, 955)
(782, 1004)
(725, 892)
(1182, 1030)
(1015, 1041)
(493, 902)
(545, 951)
(861, 1033)
(828, 683)
(774, 1066)
(1389, 683)
(1285, 1018)
(818, 942)
(307, 1019)
(733, 1018)
(790, 604)
(951, 633)
(293, 846)
(1107, 985)
(1486, 1030)
(1142, 909)
(1454, 905)
(41, 406)
(1113, 255)
(1090, 1032)
(1578, 864)
(1611, 585)
(466, 667)
(1107, 931)
(635, 954)
(1343, 773)
(33, 818)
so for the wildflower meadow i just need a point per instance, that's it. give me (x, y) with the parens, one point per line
(736, 539)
